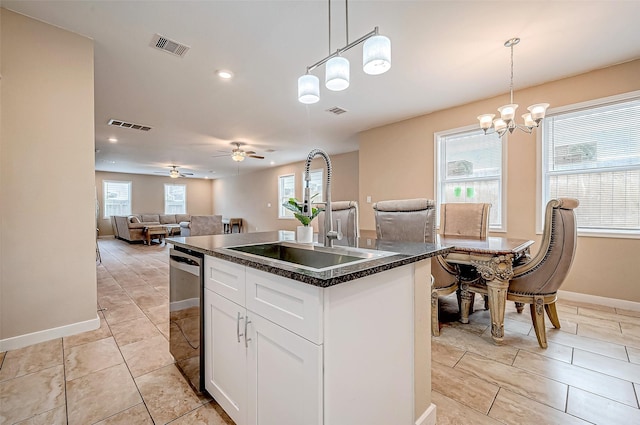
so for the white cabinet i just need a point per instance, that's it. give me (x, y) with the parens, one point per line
(285, 376)
(258, 371)
(282, 352)
(225, 355)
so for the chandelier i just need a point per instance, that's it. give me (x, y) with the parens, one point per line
(506, 122)
(376, 59)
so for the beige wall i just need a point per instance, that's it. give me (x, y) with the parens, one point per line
(47, 230)
(603, 267)
(247, 195)
(147, 195)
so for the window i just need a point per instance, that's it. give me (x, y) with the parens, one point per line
(591, 152)
(315, 185)
(469, 168)
(117, 198)
(175, 199)
(286, 190)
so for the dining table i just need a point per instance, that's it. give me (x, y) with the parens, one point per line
(494, 258)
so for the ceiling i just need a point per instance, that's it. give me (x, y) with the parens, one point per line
(444, 53)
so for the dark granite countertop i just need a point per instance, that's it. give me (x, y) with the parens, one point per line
(217, 246)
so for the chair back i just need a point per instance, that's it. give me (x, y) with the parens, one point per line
(544, 274)
(206, 225)
(464, 219)
(411, 220)
(347, 213)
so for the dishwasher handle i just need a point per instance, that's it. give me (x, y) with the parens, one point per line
(180, 259)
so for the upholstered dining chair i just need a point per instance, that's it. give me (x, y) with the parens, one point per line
(206, 225)
(347, 213)
(411, 220)
(537, 282)
(456, 219)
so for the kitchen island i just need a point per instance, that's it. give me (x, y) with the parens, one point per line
(343, 344)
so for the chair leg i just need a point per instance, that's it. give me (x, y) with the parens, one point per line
(553, 314)
(537, 317)
(435, 325)
(519, 307)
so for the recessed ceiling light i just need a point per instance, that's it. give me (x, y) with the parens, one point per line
(272, 163)
(224, 74)
(113, 140)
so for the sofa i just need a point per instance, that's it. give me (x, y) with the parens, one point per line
(131, 228)
(202, 225)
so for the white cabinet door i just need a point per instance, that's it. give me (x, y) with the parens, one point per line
(285, 376)
(225, 355)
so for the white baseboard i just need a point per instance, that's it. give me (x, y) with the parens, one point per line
(428, 417)
(20, 341)
(594, 299)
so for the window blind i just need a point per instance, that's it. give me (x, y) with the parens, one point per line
(117, 198)
(593, 154)
(175, 199)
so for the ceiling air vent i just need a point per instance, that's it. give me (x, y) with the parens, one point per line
(124, 124)
(336, 110)
(163, 43)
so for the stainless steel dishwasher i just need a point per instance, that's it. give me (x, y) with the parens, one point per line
(186, 333)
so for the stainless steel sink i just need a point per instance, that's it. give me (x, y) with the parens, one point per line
(312, 257)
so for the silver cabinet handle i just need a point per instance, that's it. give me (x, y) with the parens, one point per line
(238, 326)
(246, 324)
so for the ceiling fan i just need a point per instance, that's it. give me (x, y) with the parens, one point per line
(239, 154)
(174, 173)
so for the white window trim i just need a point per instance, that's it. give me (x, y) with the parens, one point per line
(436, 176)
(280, 197)
(165, 196)
(104, 196)
(540, 187)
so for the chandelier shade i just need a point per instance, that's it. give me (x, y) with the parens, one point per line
(337, 73)
(506, 122)
(376, 55)
(308, 89)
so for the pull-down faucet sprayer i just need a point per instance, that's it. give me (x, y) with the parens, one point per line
(330, 234)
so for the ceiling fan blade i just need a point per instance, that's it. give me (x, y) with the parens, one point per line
(220, 156)
(256, 156)
(187, 174)
(250, 152)
(160, 172)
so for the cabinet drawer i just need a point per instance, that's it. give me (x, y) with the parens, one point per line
(293, 305)
(225, 278)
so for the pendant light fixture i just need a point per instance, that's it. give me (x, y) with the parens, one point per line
(376, 59)
(506, 122)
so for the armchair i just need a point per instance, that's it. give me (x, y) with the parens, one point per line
(537, 282)
(347, 213)
(456, 219)
(410, 220)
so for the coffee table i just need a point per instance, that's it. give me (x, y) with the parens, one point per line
(172, 229)
(158, 231)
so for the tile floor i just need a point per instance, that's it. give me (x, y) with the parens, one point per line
(122, 373)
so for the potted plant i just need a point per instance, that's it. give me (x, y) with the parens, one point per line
(304, 233)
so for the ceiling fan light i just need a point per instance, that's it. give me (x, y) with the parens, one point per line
(376, 55)
(174, 174)
(308, 89)
(238, 156)
(337, 73)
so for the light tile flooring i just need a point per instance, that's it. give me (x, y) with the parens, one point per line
(122, 373)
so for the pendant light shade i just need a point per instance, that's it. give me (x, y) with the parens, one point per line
(337, 73)
(376, 55)
(308, 89)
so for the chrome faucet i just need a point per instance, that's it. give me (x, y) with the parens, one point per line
(330, 234)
